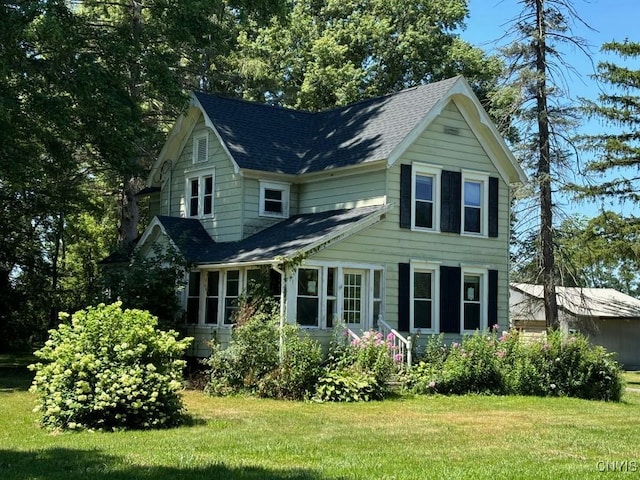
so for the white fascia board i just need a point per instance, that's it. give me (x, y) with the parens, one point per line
(462, 90)
(175, 142)
(148, 232)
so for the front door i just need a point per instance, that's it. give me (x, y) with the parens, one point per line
(353, 308)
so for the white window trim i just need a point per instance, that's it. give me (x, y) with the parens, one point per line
(322, 297)
(435, 172)
(285, 188)
(483, 179)
(434, 269)
(367, 293)
(196, 142)
(484, 296)
(200, 175)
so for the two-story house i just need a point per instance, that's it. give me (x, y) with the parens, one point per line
(393, 209)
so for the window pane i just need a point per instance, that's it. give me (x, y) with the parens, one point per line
(233, 283)
(331, 311)
(211, 315)
(270, 194)
(331, 282)
(275, 283)
(230, 306)
(424, 214)
(208, 204)
(307, 311)
(377, 283)
(472, 219)
(272, 206)
(422, 314)
(424, 188)
(194, 187)
(308, 282)
(471, 288)
(471, 316)
(472, 193)
(208, 185)
(422, 285)
(193, 310)
(212, 284)
(194, 284)
(193, 207)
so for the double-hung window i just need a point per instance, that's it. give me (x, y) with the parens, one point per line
(424, 297)
(308, 302)
(199, 195)
(474, 203)
(425, 197)
(474, 300)
(193, 298)
(274, 199)
(213, 285)
(232, 292)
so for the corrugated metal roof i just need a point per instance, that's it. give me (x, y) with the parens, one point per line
(591, 302)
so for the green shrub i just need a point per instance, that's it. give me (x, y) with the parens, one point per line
(347, 386)
(251, 363)
(571, 366)
(357, 371)
(296, 376)
(486, 363)
(252, 353)
(109, 369)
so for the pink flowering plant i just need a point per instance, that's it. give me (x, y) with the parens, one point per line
(494, 362)
(358, 369)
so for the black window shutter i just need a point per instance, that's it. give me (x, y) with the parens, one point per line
(405, 196)
(451, 199)
(404, 274)
(450, 299)
(492, 307)
(493, 207)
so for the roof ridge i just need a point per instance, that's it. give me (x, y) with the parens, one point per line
(404, 91)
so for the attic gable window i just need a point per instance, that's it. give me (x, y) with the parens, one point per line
(200, 148)
(274, 199)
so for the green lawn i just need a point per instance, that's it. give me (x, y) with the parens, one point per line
(407, 438)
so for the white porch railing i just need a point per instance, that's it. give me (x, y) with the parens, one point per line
(401, 345)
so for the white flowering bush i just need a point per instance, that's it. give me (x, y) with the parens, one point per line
(109, 369)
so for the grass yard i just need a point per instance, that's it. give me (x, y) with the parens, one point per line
(468, 437)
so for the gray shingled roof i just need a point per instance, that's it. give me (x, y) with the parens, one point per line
(285, 239)
(274, 139)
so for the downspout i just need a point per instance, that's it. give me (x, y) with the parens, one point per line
(283, 308)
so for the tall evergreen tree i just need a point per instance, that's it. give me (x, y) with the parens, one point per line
(537, 70)
(616, 162)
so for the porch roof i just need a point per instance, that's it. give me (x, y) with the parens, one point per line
(294, 236)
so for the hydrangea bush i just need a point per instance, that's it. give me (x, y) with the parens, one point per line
(108, 368)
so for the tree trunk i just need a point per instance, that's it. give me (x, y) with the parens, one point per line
(129, 213)
(544, 175)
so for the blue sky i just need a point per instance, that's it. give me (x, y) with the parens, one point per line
(489, 20)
